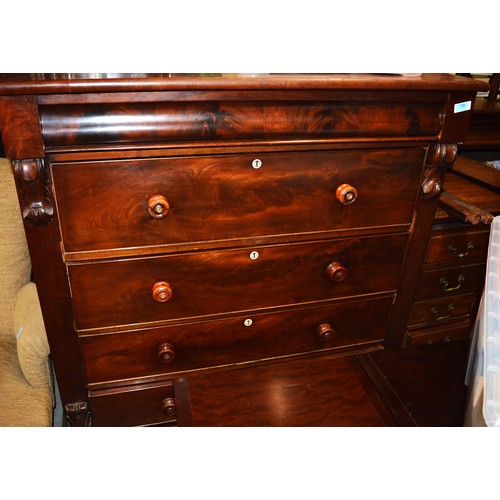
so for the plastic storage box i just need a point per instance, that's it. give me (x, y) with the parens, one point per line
(483, 375)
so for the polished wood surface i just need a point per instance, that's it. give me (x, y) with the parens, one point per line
(241, 339)
(69, 83)
(323, 392)
(225, 197)
(202, 243)
(458, 246)
(429, 381)
(146, 404)
(484, 131)
(223, 282)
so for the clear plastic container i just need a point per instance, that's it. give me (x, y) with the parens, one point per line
(483, 375)
(491, 330)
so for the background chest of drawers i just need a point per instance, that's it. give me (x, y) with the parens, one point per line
(184, 226)
(452, 279)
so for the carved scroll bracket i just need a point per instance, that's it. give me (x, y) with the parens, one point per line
(33, 182)
(439, 158)
(78, 414)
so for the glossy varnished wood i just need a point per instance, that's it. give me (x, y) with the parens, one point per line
(454, 245)
(131, 406)
(236, 340)
(209, 283)
(451, 280)
(322, 392)
(429, 381)
(96, 154)
(225, 197)
(211, 120)
(441, 310)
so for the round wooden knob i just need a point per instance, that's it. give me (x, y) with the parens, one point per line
(346, 194)
(168, 407)
(325, 332)
(165, 352)
(162, 291)
(158, 206)
(336, 272)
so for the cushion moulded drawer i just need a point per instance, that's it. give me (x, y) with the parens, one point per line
(178, 200)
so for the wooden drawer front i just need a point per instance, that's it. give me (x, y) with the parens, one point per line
(121, 292)
(442, 333)
(244, 338)
(104, 205)
(441, 310)
(146, 404)
(452, 281)
(461, 247)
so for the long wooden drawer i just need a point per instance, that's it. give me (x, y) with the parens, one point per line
(451, 281)
(145, 404)
(244, 338)
(171, 287)
(113, 204)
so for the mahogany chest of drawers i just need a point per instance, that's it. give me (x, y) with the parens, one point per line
(190, 225)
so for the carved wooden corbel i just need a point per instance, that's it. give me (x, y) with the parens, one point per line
(78, 414)
(439, 159)
(33, 182)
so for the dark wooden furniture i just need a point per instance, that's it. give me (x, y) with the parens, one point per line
(223, 250)
(452, 276)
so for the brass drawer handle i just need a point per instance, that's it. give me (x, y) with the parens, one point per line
(435, 312)
(446, 285)
(460, 255)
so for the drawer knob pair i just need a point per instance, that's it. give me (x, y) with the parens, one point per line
(158, 206)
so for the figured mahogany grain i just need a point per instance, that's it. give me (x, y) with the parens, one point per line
(230, 120)
(215, 282)
(382, 126)
(235, 340)
(319, 392)
(221, 197)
